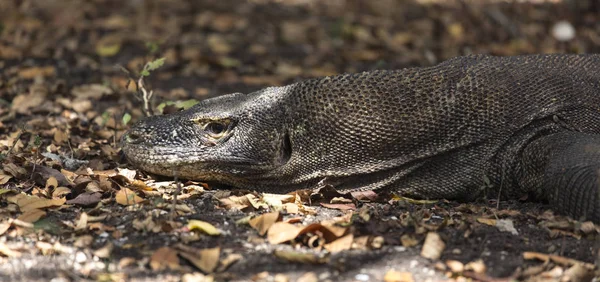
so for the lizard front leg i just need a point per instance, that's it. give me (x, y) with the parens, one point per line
(564, 169)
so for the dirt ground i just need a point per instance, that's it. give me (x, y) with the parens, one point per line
(72, 209)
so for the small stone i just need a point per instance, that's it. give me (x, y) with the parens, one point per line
(455, 266)
(563, 31)
(362, 277)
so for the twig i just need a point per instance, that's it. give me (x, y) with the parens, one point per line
(177, 191)
(556, 259)
(146, 96)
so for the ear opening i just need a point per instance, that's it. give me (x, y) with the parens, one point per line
(285, 152)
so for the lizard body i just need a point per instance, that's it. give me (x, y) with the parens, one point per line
(522, 125)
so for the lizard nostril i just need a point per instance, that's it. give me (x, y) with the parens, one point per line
(133, 138)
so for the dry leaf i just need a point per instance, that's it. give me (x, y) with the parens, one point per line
(367, 195)
(86, 199)
(342, 207)
(196, 277)
(127, 262)
(51, 183)
(308, 277)
(263, 222)
(82, 222)
(455, 266)
(578, 273)
(45, 248)
(476, 266)
(433, 246)
(291, 208)
(5, 250)
(14, 170)
(487, 221)
(235, 202)
(4, 178)
(227, 261)
(301, 257)
(205, 260)
(341, 244)
(104, 252)
(23, 103)
(91, 91)
(555, 258)
(164, 258)
(4, 226)
(409, 240)
(129, 174)
(277, 200)
(127, 197)
(33, 72)
(204, 227)
(60, 136)
(397, 276)
(61, 192)
(32, 215)
(27, 203)
(282, 232)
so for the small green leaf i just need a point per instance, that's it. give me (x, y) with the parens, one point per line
(126, 118)
(38, 140)
(155, 64)
(145, 73)
(186, 104)
(162, 105)
(108, 50)
(105, 117)
(152, 47)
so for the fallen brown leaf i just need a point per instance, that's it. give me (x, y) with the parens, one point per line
(23, 103)
(227, 261)
(164, 258)
(32, 215)
(206, 260)
(282, 232)
(476, 266)
(7, 251)
(341, 244)
(127, 197)
(555, 258)
(301, 257)
(81, 224)
(105, 251)
(4, 178)
(263, 222)
(91, 91)
(5, 225)
(397, 276)
(61, 192)
(26, 202)
(308, 277)
(33, 72)
(433, 246)
(86, 199)
(342, 207)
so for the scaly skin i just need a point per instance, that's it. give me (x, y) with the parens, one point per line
(525, 124)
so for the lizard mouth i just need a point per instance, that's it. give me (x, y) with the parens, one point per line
(198, 164)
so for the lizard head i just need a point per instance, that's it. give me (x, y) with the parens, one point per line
(228, 139)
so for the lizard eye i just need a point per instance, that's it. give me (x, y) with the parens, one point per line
(216, 129)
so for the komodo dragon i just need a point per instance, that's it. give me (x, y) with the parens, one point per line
(524, 125)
